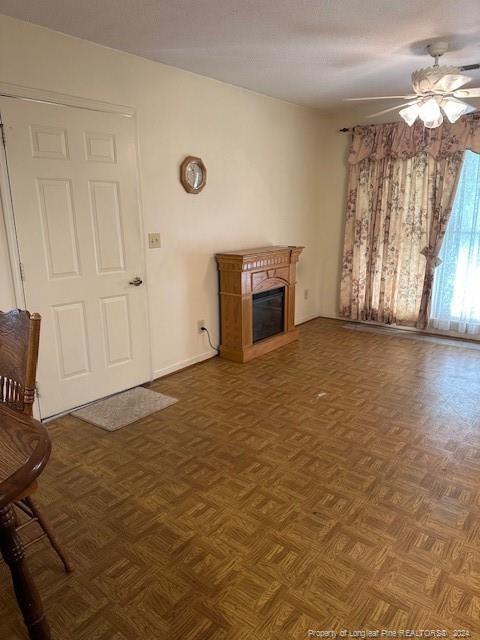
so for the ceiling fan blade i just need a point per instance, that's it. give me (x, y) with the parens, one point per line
(399, 106)
(380, 98)
(474, 92)
(450, 82)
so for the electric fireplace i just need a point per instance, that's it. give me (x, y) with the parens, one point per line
(257, 300)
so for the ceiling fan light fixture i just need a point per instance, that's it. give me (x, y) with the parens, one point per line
(410, 114)
(454, 109)
(436, 92)
(430, 113)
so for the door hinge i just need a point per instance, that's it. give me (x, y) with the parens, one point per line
(22, 271)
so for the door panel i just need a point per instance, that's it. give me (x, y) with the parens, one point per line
(49, 142)
(73, 178)
(71, 340)
(106, 218)
(116, 325)
(59, 228)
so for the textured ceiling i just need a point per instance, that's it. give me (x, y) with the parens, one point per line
(311, 52)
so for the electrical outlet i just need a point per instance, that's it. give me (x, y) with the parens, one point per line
(154, 241)
(305, 294)
(200, 324)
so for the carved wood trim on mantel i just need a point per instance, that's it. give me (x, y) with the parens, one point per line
(243, 273)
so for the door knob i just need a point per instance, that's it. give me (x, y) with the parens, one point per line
(136, 281)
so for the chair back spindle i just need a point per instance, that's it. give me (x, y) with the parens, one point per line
(19, 338)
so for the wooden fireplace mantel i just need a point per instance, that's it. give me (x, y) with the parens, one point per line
(243, 274)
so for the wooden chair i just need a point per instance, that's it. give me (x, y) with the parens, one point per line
(19, 338)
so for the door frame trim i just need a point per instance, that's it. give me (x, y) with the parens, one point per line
(31, 94)
(10, 228)
(20, 92)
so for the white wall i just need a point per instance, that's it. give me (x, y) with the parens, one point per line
(266, 167)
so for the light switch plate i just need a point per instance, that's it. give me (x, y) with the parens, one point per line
(154, 241)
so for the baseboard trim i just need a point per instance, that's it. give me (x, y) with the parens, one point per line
(183, 364)
(312, 316)
(315, 316)
(188, 362)
(392, 328)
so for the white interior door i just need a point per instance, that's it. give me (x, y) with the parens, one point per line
(73, 178)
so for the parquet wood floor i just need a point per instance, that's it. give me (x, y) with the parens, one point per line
(257, 509)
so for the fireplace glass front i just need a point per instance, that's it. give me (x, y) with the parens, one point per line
(268, 313)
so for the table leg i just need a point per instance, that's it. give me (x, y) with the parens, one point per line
(28, 599)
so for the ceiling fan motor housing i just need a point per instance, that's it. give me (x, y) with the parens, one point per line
(437, 49)
(423, 80)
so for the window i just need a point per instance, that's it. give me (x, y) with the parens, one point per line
(456, 289)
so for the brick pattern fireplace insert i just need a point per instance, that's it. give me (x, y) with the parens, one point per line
(247, 312)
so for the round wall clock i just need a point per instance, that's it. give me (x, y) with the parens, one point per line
(193, 174)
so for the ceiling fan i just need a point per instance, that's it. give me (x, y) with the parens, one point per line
(437, 92)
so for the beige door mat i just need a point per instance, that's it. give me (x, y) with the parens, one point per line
(117, 411)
